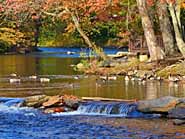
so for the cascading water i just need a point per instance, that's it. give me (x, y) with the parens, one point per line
(11, 101)
(13, 107)
(116, 109)
(128, 110)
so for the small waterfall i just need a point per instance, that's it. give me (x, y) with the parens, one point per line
(128, 110)
(104, 108)
(11, 101)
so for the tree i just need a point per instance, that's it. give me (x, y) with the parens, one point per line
(166, 28)
(174, 8)
(156, 53)
(20, 14)
(78, 12)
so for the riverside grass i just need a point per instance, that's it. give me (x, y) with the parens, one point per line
(161, 70)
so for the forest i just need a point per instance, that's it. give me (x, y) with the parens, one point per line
(97, 23)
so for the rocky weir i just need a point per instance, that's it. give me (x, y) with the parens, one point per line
(165, 107)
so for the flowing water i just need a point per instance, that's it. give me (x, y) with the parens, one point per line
(91, 120)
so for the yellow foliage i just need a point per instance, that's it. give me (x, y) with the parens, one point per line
(11, 36)
(70, 28)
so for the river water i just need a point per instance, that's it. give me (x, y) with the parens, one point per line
(56, 64)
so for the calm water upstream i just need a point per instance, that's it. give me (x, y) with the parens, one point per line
(56, 64)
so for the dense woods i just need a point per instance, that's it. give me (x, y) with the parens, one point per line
(28, 23)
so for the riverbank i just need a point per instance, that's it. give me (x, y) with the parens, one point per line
(169, 70)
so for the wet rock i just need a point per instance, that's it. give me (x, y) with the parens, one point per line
(59, 109)
(178, 122)
(160, 105)
(35, 101)
(55, 110)
(53, 101)
(71, 101)
(178, 113)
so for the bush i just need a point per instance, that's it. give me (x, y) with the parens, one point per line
(4, 46)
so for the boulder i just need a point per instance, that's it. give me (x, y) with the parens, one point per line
(160, 105)
(178, 122)
(35, 101)
(71, 101)
(178, 113)
(53, 101)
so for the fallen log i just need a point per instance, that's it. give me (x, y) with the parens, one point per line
(107, 99)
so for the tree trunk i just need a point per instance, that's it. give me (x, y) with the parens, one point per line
(156, 53)
(86, 39)
(178, 36)
(166, 28)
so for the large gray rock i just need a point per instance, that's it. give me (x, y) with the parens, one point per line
(35, 101)
(178, 113)
(160, 105)
(71, 101)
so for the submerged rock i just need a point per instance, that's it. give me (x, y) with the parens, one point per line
(35, 101)
(160, 105)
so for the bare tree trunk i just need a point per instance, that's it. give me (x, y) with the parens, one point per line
(156, 53)
(166, 28)
(177, 29)
(86, 39)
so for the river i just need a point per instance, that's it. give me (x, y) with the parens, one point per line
(56, 64)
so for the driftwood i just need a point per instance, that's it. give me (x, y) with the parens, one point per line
(107, 99)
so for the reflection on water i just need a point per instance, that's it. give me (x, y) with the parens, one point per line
(128, 89)
(51, 64)
(88, 87)
(30, 65)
